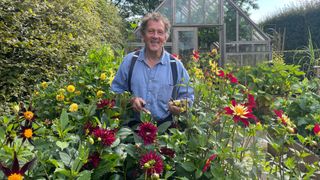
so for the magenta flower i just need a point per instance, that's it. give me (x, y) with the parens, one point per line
(316, 129)
(106, 136)
(148, 132)
(152, 163)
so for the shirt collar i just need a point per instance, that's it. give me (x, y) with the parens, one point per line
(163, 59)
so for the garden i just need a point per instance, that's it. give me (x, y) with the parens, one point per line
(62, 121)
(72, 127)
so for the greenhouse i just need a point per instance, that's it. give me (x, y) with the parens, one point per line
(207, 24)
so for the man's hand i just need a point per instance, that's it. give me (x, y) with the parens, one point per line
(138, 104)
(178, 106)
(175, 110)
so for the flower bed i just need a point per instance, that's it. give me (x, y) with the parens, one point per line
(74, 127)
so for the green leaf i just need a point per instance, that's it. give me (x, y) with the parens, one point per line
(301, 138)
(76, 165)
(56, 163)
(163, 127)
(290, 162)
(63, 171)
(168, 174)
(84, 175)
(188, 166)
(62, 145)
(124, 132)
(65, 158)
(64, 119)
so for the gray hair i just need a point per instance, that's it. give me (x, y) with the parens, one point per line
(155, 16)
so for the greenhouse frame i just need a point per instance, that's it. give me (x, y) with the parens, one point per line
(206, 24)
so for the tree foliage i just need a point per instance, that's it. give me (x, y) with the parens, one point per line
(296, 21)
(39, 39)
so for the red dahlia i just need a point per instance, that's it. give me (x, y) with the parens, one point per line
(106, 103)
(148, 132)
(151, 163)
(106, 136)
(167, 152)
(240, 112)
(316, 129)
(208, 162)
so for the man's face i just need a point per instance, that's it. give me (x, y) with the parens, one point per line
(155, 36)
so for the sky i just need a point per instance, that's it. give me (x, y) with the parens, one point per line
(270, 7)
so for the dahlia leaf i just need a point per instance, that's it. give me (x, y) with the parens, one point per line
(64, 119)
(163, 127)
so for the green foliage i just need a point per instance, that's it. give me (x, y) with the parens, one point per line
(40, 39)
(296, 20)
(268, 81)
(217, 138)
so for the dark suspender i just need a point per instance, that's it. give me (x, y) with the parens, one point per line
(133, 62)
(174, 71)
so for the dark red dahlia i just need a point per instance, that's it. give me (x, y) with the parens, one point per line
(151, 163)
(148, 132)
(167, 152)
(109, 103)
(106, 136)
(93, 161)
(89, 128)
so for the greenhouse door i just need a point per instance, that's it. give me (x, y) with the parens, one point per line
(185, 40)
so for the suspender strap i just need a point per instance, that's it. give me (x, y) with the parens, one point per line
(174, 72)
(133, 62)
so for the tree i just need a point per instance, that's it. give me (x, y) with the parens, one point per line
(40, 39)
(131, 8)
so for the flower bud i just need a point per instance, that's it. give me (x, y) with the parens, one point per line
(155, 176)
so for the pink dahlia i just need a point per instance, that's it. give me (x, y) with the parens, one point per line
(152, 163)
(106, 136)
(148, 132)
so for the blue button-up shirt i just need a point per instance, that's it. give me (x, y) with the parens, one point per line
(154, 85)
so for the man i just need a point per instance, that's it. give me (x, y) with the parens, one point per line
(151, 83)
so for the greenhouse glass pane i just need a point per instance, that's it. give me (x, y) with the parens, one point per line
(197, 12)
(182, 12)
(211, 11)
(185, 43)
(245, 30)
(230, 20)
(166, 9)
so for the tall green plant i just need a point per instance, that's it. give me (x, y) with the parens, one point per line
(40, 39)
